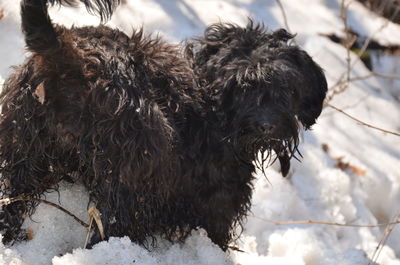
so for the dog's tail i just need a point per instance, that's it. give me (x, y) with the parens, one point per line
(38, 29)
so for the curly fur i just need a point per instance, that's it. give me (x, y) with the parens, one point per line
(163, 141)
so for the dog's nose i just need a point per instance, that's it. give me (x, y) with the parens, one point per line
(266, 127)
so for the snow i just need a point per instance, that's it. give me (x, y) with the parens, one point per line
(12, 43)
(197, 250)
(366, 191)
(62, 234)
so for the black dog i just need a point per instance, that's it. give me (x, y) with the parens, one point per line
(164, 142)
(258, 92)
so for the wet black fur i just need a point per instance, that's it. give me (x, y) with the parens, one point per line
(163, 141)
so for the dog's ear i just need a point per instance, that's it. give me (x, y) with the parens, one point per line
(311, 87)
(312, 102)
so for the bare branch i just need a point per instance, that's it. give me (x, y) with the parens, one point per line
(344, 79)
(350, 39)
(374, 74)
(361, 122)
(358, 78)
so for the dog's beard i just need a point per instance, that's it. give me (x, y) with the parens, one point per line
(267, 151)
(264, 149)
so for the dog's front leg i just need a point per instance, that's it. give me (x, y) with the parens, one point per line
(222, 210)
(224, 199)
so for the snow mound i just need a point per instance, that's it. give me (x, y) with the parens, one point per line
(197, 250)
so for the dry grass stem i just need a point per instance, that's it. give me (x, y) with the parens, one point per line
(323, 223)
(12, 200)
(385, 237)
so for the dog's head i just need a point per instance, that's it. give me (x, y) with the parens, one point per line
(263, 87)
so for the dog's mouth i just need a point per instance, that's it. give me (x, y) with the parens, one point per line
(267, 150)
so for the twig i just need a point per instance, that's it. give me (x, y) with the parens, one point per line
(344, 83)
(384, 239)
(12, 200)
(340, 81)
(350, 106)
(374, 74)
(368, 40)
(323, 223)
(361, 122)
(349, 40)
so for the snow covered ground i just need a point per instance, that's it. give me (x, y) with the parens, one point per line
(349, 173)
